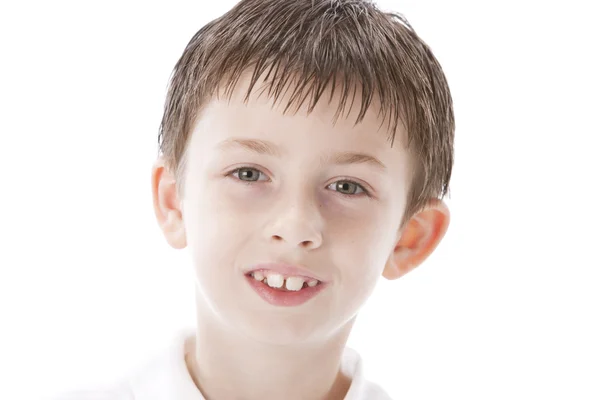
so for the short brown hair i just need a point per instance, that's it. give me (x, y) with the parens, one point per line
(313, 45)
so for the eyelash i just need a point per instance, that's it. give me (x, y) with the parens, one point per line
(366, 192)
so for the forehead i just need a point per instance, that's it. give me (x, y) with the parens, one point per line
(338, 110)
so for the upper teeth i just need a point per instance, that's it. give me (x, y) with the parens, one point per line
(276, 280)
(294, 283)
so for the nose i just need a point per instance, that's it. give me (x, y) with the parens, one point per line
(298, 224)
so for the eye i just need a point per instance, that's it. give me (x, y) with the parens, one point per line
(349, 188)
(247, 174)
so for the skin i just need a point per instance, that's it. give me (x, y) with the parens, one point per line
(290, 205)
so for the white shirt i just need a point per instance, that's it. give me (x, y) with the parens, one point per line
(167, 378)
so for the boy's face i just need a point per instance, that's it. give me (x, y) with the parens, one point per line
(290, 203)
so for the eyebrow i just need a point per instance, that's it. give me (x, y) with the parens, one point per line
(271, 149)
(348, 157)
(254, 145)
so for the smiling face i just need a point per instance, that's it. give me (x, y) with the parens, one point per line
(261, 187)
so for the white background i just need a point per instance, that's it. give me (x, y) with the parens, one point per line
(507, 307)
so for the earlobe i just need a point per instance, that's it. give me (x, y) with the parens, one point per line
(418, 239)
(167, 205)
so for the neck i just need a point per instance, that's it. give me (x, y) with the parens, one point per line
(228, 365)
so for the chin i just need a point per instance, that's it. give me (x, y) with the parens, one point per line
(280, 329)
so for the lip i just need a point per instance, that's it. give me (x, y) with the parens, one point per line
(286, 270)
(282, 297)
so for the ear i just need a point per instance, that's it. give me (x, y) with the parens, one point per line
(167, 206)
(420, 236)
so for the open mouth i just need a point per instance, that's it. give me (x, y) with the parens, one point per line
(280, 290)
(284, 283)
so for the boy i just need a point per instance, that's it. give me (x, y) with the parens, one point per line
(306, 146)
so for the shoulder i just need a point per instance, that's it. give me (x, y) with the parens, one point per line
(163, 375)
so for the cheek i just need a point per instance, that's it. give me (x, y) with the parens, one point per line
(361, 246)
(359, 262)
(221, 220)
(223, 203)
(361, 227)
(240, 200)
